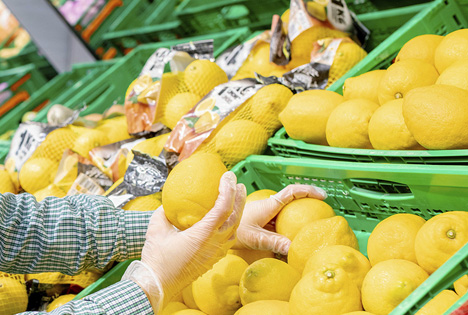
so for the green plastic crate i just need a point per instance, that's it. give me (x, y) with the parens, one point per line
(4, 149)
(110, 87)
(438, 17)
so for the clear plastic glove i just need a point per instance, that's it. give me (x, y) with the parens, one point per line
(252, 233)
(171, 259)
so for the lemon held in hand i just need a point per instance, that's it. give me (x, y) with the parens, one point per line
(191, 189)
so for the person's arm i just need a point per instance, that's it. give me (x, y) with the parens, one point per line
(124, 297)
(67, 235)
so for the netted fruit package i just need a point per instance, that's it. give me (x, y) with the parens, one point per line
(234, 120)
(84, 279)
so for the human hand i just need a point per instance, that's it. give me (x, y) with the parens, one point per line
(177, 258)
(251, 233)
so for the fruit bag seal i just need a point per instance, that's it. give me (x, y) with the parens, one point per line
(280, 45)
(145, 175)
(196, 126)
(203, 49)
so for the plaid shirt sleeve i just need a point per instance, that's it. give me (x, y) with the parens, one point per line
(67, 235)
(124, 297)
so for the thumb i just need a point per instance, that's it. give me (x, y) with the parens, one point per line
(159, 223)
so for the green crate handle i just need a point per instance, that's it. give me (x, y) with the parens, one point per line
(378, 195)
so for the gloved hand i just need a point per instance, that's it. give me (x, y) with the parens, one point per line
(251, 233)
(171, 259)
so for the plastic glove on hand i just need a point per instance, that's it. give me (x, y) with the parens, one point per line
(252, 234)
(171, 259)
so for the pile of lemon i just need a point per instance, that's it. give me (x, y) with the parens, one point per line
(419, 102)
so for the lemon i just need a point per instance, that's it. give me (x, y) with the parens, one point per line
(89, 139)
(403, 76)
(327, 290)
(455, 75)
(191, 189)
(364, 86)
(270, 307)
(187, 296)
(439, 238)
(390, 282)
(189, 312)
(437, 116)
(461, 285)
(260, 195)
(347, 126)
(6, 184)
(173, 307)
(439, 304)
(115, 129)
(306, 115)
(51, 190)
(13, 296)
(259, 61)
(251, 255)
(67, 173)
(144, 203)
(421, 47)
(298, 213)
(347, 56)
(152, 147)
(345, 257)
(37, 173)
(453, 47)
(238, 139)
(393, 238)
(61, 300)
(55, 143)
(388, 130)
(260, 281)
(267, 103)
(317, 235)
(358, 313)
(178, 106)
(201, 76)
(217, 291)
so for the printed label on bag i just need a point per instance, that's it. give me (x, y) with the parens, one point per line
(280, 45)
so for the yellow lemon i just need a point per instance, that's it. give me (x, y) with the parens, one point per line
(453, 47)
(115, 129)
(61, 300)
(173, 307)
(187, 296)
(306, 115)
(393, 238)
(251, 255)
(13, 296)
(260, 281)
(437, 116)
(421, 47)
(152, 146)
(178, 106)
(364, 86)
(191, 189)
(347, 126)
(461, 285)
(439, 304)
(37, 173)
(439, 238)
(270, 307)
(189, 312)
(89, 139)
(267, 103)
(298, 213)
(201, 76)
(144, 203)
(217, 291)
(260, 195)
(347, 56)
(455, 75)
(6, 184)
(388, 130)
(390, 282)
(317, 235)
(259, 60)
(238, 139)
(55, 143)
(327, 290)
(359, 313)
(348, 258)
(403, 76)
(51, 190)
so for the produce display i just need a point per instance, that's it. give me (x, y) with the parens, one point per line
(188, 117)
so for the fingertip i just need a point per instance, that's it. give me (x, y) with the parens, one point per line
(321, 192)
